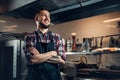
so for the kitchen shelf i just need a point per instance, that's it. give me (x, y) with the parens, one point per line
(72, 53)
(94, 52)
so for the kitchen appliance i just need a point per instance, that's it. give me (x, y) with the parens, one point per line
(12, 61)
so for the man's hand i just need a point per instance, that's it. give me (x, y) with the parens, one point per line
(54, 53)
(56, 59)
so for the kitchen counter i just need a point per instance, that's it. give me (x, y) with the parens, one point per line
(95, 52)
(72, 53)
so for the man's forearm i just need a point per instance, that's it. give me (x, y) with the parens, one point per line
(39, 58)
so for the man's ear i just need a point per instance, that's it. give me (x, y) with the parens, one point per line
(36, 17)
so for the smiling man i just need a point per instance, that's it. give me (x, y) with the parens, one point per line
(44, 50)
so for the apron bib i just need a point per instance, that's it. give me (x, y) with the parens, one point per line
(44, 70)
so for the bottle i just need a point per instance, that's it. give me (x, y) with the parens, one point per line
(86, 45)
(63, 40)
(78, 45)
(68, 45)
(74, 48)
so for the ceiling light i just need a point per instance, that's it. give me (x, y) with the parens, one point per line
(11, 27)
(112, 20)
(2, 21)
(8, 30)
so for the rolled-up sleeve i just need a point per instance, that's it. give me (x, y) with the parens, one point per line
(28, 43)
(61, 47)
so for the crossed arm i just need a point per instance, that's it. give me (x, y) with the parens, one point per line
(48, 56)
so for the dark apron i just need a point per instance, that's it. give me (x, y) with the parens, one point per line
(44, 70)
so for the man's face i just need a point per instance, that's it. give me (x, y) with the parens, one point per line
(44, 19)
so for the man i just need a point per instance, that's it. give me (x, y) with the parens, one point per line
(44, 50)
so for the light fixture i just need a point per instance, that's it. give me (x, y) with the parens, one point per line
(112, 20)
(2, 21)
(9, 28)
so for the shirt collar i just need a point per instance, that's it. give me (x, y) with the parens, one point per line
(38, 31)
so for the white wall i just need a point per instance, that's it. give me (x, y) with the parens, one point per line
(89, 27)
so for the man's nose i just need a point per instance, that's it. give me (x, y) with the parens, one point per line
(47, 17)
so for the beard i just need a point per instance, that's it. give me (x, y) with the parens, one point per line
(43, 26)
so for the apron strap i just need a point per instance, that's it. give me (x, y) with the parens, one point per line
(49, 33)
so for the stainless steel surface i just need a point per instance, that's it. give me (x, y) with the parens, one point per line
(12, 59)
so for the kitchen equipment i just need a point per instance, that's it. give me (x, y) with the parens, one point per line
(12, 60)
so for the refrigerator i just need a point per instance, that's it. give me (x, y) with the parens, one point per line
(12, 58)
